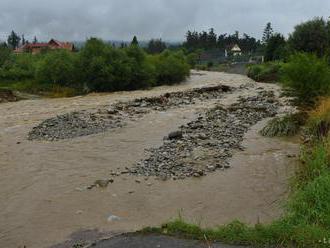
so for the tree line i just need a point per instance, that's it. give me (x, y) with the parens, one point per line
(312, 36)
(208, 40)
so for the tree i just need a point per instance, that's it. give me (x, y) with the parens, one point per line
(135, 41)
(275, 47)
(311, 36)
(35, 40)
(268, 32)
(13, 40)
(211, 39)
(4, 53)
(23, 40)
(156, 46)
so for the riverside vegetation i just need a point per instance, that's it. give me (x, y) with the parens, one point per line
(97, 67)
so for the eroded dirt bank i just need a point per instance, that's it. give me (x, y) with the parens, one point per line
(43, 198)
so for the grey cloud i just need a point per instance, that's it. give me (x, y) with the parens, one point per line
(169, 19)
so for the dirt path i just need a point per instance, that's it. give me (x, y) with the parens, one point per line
(40, 198)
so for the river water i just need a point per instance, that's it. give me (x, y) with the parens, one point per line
(41, 203)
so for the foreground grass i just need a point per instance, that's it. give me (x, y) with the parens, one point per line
(306, 222)
(279, 234)
(288, 125)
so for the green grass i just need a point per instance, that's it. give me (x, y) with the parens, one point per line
(279, 234)
(288, 125)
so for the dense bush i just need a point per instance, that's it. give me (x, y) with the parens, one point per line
(104, 68)
(171, 67)
(56, 68)
(192, 59)
(268, 72)
(18, 67)
(308, 76)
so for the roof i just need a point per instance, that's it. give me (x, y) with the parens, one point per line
(58, 44)
(67, 45)
(236, 48)
(35, 45)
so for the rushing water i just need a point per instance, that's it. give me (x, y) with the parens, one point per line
(40, 198)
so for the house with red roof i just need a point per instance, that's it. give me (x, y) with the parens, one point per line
(53, 44)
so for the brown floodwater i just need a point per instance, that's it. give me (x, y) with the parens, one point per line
(40, 198)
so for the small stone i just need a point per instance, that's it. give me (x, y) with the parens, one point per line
(91, 186)
(103, 183)
(138, 181)
(131, 192)
(112, 218)
(197, 174)
(211, 168)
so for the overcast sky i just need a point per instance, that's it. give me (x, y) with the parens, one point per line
(167, 19)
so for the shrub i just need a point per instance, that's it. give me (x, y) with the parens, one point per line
(268, 72)
(318, 124)
(18, 67)
(308, 76)
(171, 68)
(192, 59)
(143, 72)
(288, 125)
(56, 68)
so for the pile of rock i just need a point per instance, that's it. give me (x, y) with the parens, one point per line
(82, 123)
(206, 144)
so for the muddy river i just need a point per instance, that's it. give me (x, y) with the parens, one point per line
(41, 201)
